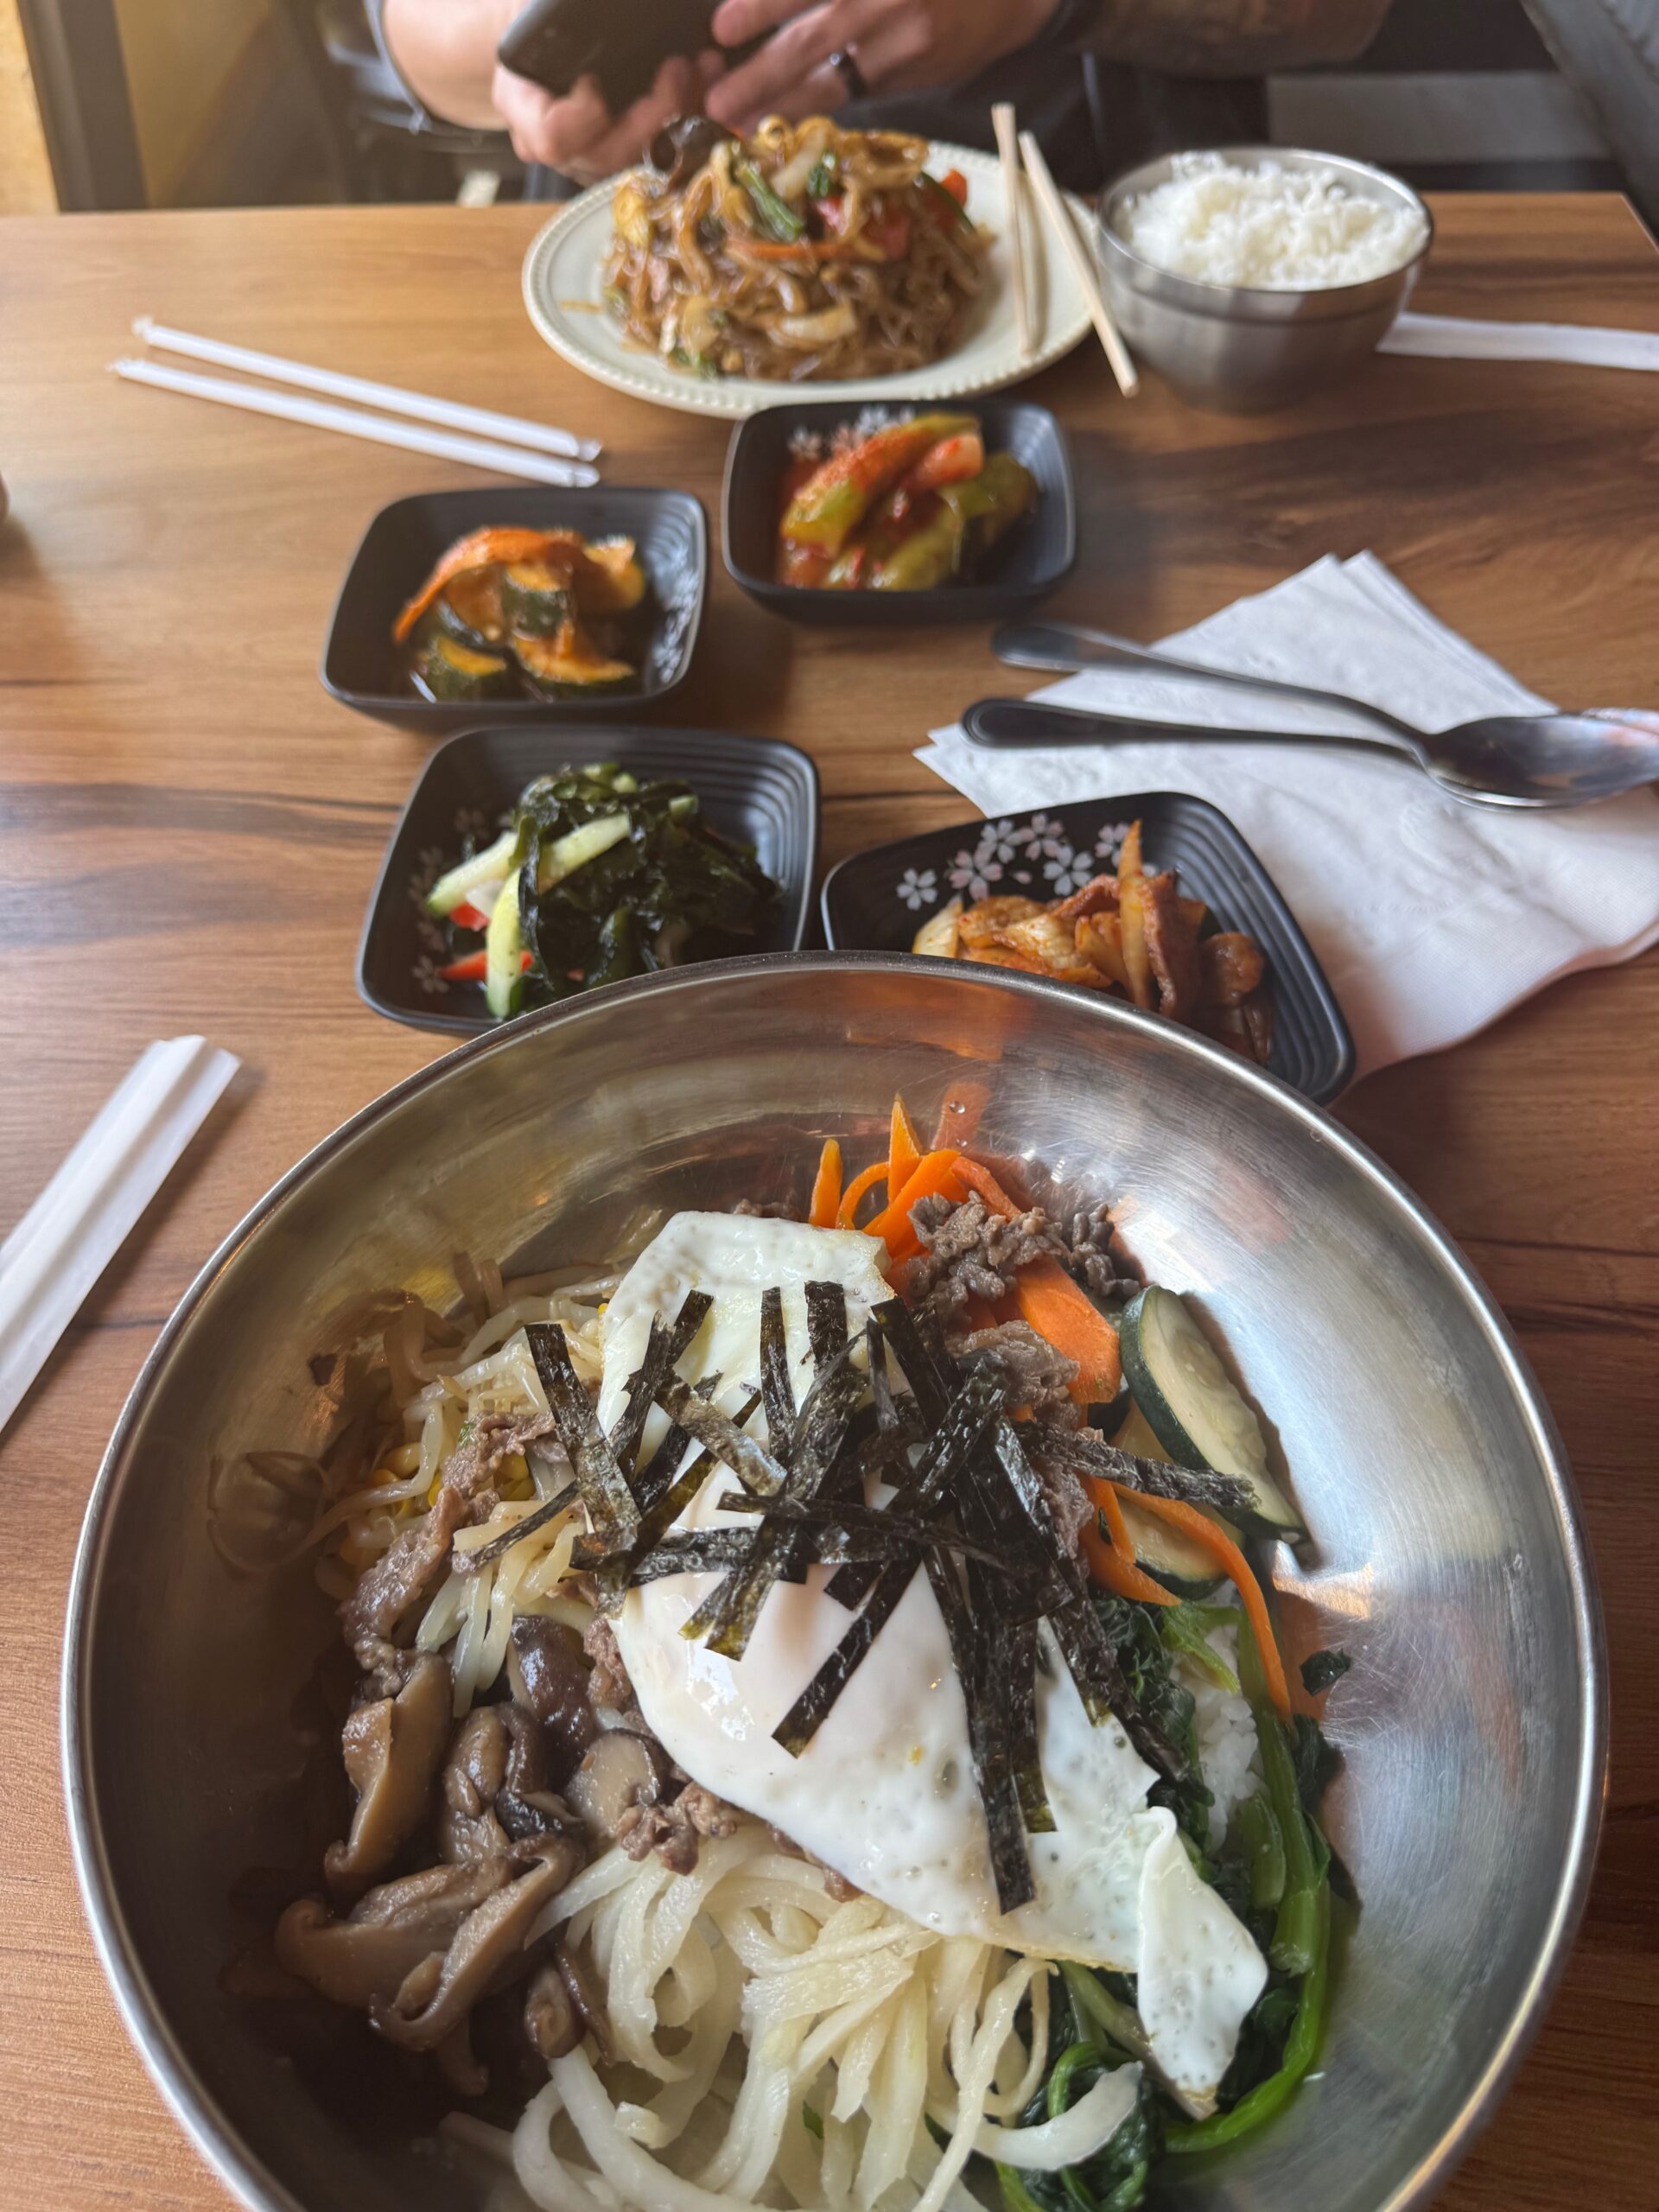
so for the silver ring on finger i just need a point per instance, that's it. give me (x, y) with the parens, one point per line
(844, 62)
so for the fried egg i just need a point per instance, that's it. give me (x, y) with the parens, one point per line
(885, 1791)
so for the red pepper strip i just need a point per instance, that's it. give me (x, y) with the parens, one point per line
(474, 967)
(468, 917)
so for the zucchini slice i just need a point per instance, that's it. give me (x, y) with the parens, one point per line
(449, 669)
(1192, 1407)
(610, 580)
(569, 665)
(536, 598)
(469, 609)
(1178, 1563)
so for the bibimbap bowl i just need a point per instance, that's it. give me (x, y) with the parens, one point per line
(1447, 1560)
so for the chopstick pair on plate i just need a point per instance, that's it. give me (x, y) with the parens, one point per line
(443, 428)
(1022, 162)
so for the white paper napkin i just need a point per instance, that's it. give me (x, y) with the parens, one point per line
(1431, 917)
(1465, 338)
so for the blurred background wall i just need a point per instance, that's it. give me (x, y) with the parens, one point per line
(118, 103)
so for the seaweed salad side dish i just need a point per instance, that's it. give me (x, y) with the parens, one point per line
(597, 877)
(821, 1738)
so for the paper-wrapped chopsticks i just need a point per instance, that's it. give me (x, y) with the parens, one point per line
(419, 406)
(74, 1228)
(413, 421)
(377, 429)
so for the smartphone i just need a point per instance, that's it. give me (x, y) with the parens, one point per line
(622, 43)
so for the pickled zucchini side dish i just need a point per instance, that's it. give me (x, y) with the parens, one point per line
(596, 877)
(911, 506)
(524, 613)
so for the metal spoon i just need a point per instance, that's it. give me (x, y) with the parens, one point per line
(1516, 761)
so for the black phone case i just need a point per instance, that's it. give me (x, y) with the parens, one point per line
(556, 41)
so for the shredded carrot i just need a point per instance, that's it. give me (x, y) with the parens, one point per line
(981, 1180)
(826, 1189)
(1058, 1309)
(845, 1213)
(934, 1176)
(904, 1149)
(1116, 1573)
(1217, 1541)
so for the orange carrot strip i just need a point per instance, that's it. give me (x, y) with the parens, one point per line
(1217, 1541)
(981, 1180)
(826, 1189)
(1110, 1567)
(1063, 1313)
(934, 1176)
(876, 1173)
(1057, 1308)
(904, 1149)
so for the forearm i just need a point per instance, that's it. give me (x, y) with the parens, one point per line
(1231, 38)
(446, 51)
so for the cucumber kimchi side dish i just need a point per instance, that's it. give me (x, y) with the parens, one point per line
(821, 1740)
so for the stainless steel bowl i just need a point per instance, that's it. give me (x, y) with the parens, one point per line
(1449, 1559)
(1238, 348)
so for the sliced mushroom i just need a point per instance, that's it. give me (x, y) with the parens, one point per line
(549, 1676)
(474, 1770)
(495, 1793)
(392, 1748)
(584, 1996)
(488, 1950)
(370, 1955)
(620, 1771)
(551, 2021)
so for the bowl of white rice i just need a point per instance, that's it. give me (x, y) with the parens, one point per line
(1252, 274)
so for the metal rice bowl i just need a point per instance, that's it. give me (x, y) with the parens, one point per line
(1447, 1557)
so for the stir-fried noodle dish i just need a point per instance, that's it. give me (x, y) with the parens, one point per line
(816, 1712)
(805, 251)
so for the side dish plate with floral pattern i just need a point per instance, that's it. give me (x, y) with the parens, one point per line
(877, 901)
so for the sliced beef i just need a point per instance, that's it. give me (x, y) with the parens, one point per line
(1029, 1367)
(672, 1829)
(609, 1690)
(968, 1252)
(410, 1570)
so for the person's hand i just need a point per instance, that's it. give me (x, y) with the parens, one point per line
(898, 46)
(579, 137)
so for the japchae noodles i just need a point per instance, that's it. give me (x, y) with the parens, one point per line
(804, 252)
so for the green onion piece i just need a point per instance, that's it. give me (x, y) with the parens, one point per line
(1271, 2096)
(777, 219)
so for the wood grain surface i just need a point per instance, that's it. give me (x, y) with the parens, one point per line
(189, 830)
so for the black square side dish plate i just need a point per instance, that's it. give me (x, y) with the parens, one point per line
(1024, 569)
(753, 789)
(363, 669)
(876, 901)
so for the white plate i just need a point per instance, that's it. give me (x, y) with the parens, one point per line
(563, 273)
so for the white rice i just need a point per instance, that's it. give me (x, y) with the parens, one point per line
(1226, 1733)
(1277, 228)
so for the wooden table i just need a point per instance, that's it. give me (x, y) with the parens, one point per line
(189, 830)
